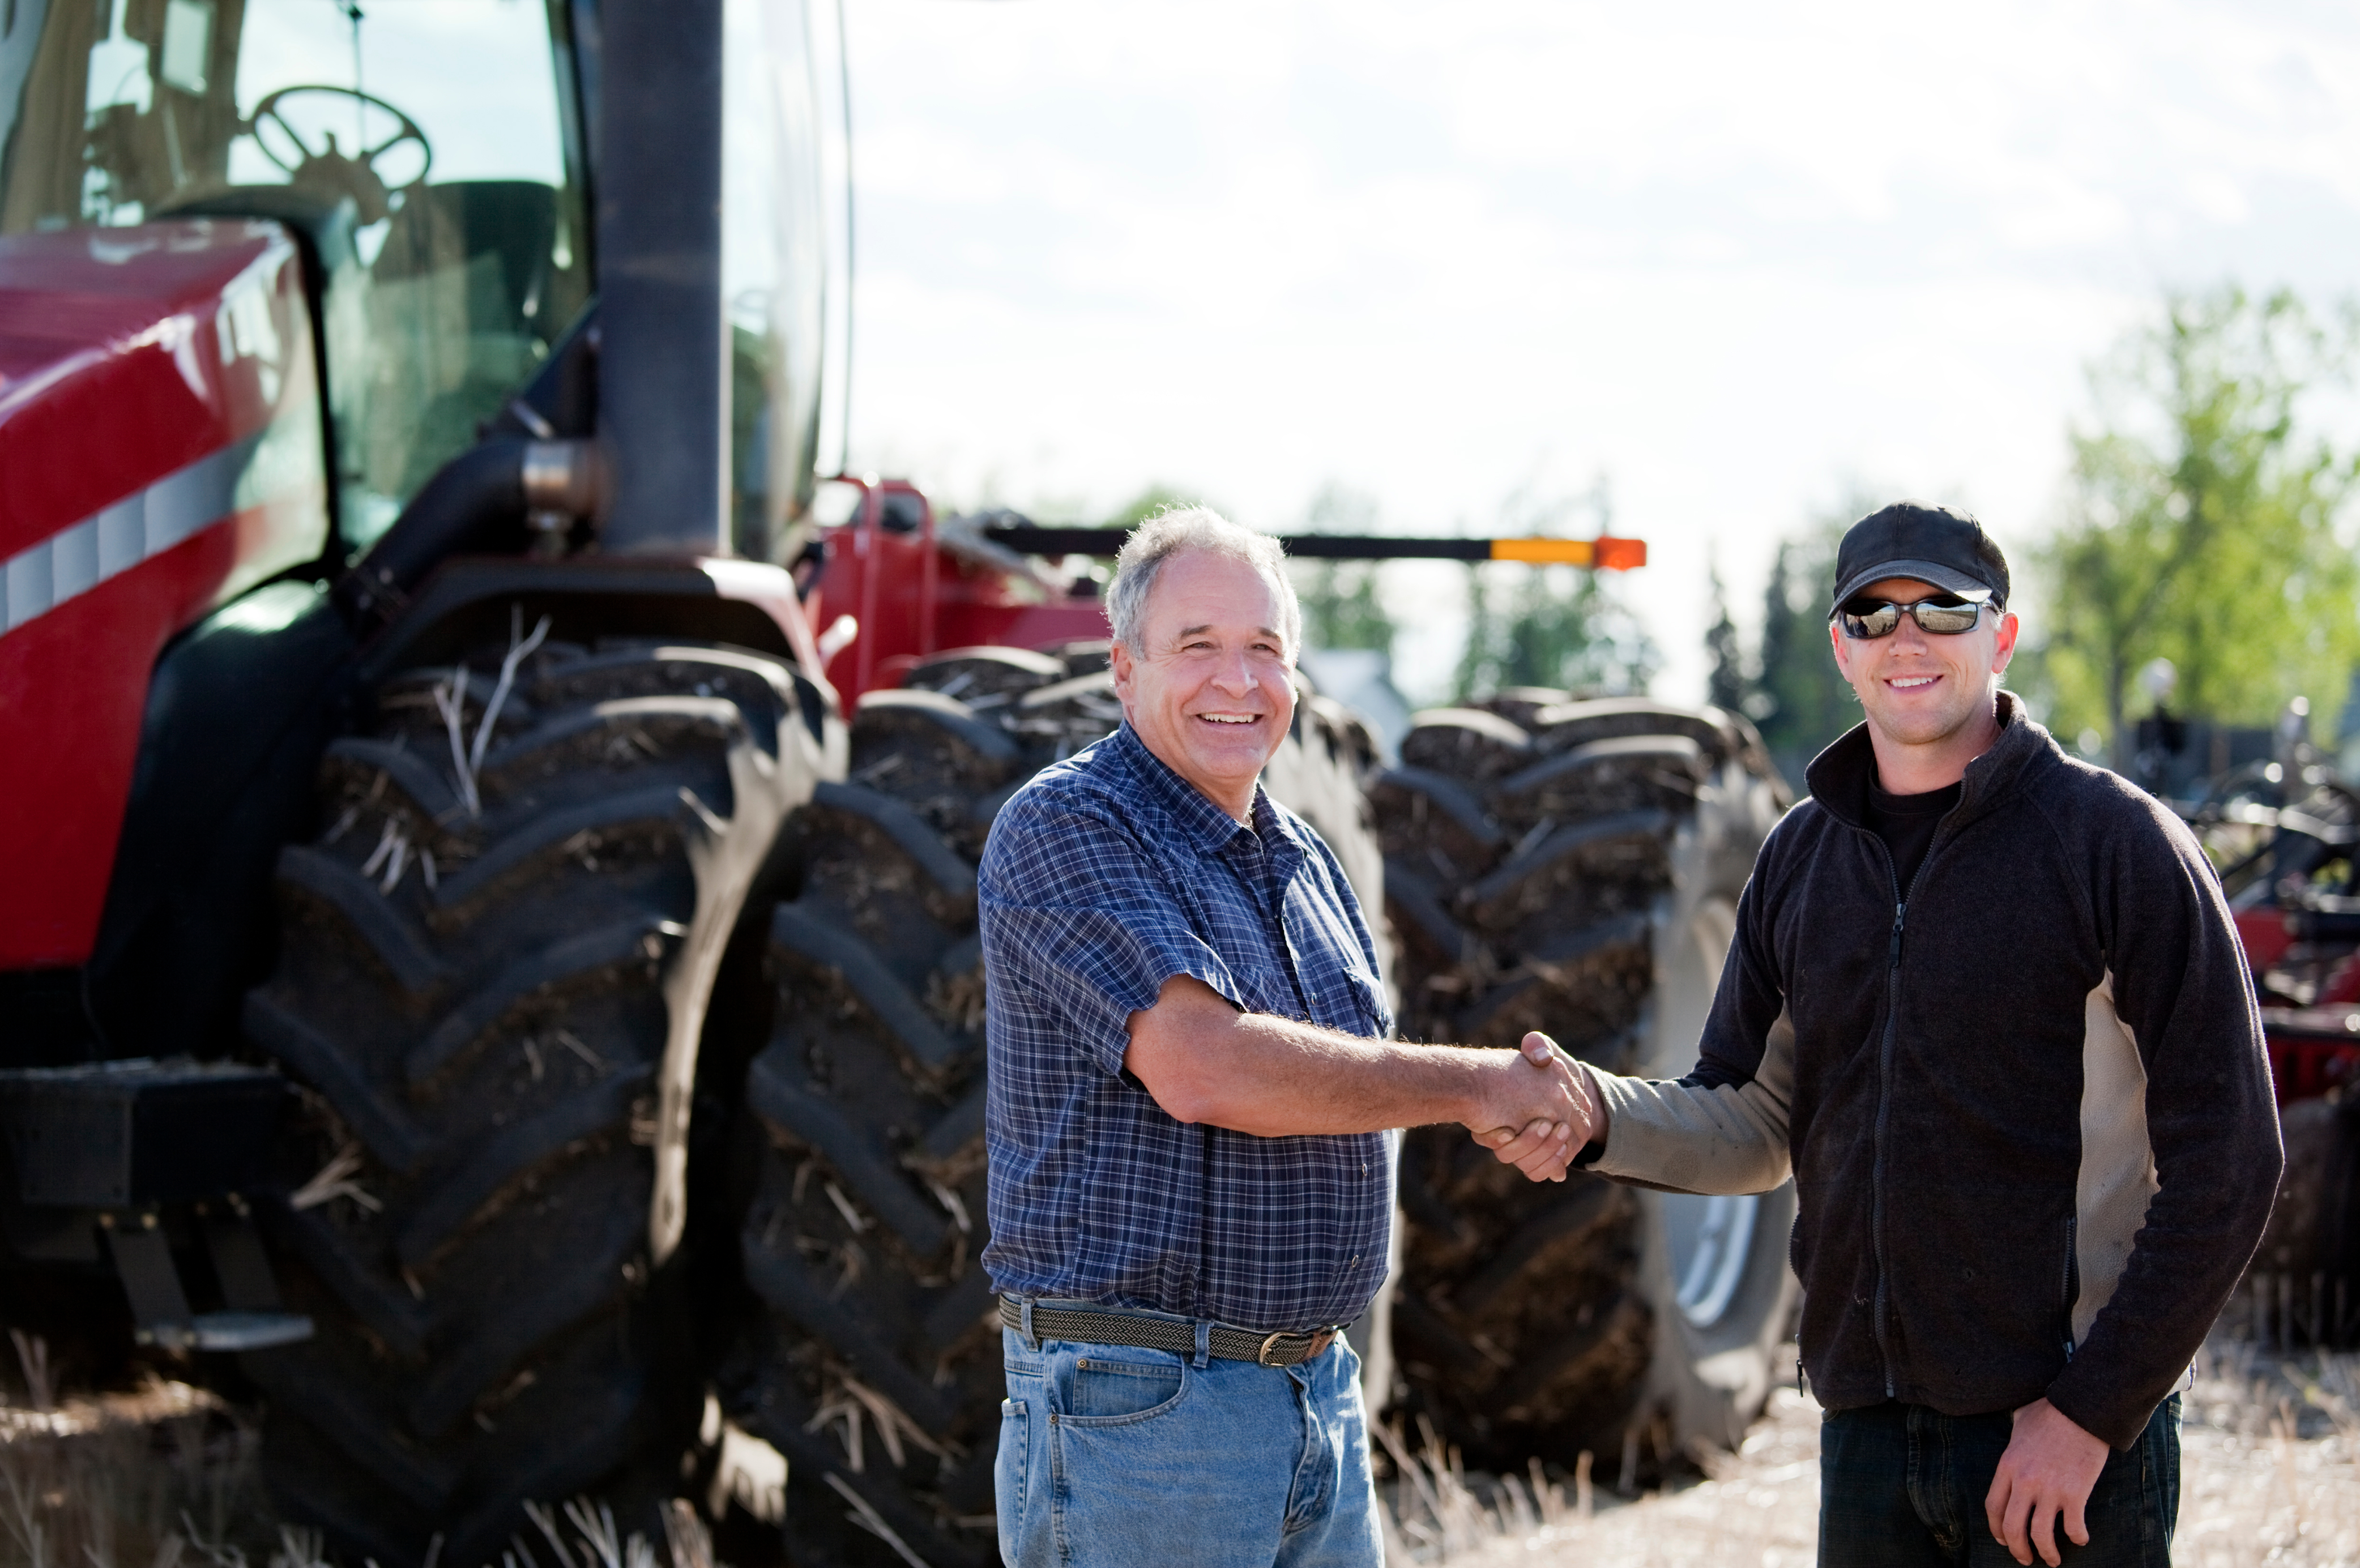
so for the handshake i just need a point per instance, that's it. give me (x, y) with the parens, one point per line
(1537, 1109)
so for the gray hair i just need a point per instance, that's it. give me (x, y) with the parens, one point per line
(1179, 530)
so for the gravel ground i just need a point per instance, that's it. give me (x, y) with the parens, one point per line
(2270, 1474)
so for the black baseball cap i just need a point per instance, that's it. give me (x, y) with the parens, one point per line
(1933, 544)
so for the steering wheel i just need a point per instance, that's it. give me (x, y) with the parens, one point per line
(330, 170)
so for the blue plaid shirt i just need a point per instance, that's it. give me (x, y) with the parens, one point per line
(1105, 876)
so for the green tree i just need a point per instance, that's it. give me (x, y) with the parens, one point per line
(2202, 524)
(1553, 626)
(1147, 503)
(1341, 608)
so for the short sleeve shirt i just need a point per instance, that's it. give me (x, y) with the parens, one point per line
(1105, 876)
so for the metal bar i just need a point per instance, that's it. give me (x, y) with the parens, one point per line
(239, 1263)
(142, 1259)
(1606, 553)
(663, 369)
(1377, 547)
(929, 585)
(868, 544)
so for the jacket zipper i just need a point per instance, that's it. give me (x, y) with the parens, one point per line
(1884, 1086)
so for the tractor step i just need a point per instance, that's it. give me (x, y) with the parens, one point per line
(229, 1330)
(107, 1148)
(115, 1135)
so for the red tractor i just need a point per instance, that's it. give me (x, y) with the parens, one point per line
(2282, 826)
(487, 957)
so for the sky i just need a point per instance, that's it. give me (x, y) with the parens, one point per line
(1725, 265)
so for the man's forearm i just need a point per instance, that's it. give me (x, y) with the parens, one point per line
(1692, 1138)
(1277, 1077)
(1272, 1077)
(1689, 1138)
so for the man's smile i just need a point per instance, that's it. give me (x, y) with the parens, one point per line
(1232, 718)
(1910, 682)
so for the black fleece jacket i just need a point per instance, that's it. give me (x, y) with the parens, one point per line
(2026, 1098)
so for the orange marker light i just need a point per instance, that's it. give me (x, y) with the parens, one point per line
(1621, 554)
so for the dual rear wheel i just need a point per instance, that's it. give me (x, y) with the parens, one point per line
(1574, 868)
(490, 957)
(490, 954)
(878, 1371)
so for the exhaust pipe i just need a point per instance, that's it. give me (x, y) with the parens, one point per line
(501, 497)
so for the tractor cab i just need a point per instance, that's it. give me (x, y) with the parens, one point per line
(434, 161)
(427, 157)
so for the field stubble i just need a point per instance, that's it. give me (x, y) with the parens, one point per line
(164, 1476)
(2270, 1474)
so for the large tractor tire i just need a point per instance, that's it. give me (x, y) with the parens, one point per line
(1574, 868)
(880, 1375)
(494, 964)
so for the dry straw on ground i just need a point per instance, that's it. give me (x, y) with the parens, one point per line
(2270, 1476)
(160, 1476)
(1759, 1506)
(164, 1476)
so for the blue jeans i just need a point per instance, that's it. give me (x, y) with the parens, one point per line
(1114, 1455)
(1901, 1484)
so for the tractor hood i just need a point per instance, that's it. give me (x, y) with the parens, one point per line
(161, 453)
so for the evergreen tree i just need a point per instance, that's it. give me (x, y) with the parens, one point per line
(1798, 698)
(1727, 686)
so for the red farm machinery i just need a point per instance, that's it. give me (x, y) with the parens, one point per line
(487, 959)
(2282, 826)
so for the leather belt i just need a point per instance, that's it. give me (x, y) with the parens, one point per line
(1113, 1326)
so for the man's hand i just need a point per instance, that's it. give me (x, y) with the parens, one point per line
(1541, 1140)
(2048, 1468)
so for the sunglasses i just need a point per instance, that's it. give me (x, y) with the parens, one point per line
(1945, 614)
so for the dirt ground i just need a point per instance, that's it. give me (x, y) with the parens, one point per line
(2270, 1474)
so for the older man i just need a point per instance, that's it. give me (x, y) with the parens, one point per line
(1190, 1080)
(1988, 1000)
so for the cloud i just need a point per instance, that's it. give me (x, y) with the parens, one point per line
(1726, 254)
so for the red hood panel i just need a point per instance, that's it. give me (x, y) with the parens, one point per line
(161, 453)
(111, 370)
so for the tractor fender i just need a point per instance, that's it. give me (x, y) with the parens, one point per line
(466, 600)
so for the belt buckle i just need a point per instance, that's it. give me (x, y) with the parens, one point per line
(1313, 1346)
